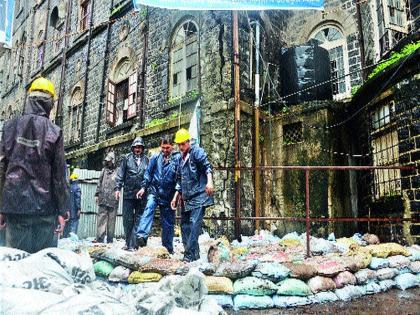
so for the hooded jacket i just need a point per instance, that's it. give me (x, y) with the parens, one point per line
(106, 184)
(32, 164)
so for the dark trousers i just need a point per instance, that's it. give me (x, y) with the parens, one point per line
(191, 224)
(30, 233)
(132, 210)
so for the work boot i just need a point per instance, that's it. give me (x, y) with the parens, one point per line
(141, 242)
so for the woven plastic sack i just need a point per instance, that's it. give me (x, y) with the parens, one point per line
(329, 268)
(12, 254)
(133, 261)
(252, 302)
(119, 274)
(398, 261)
(220, 251)
(219, 285)
(365, 275)
(290, 301)
(209, 306)
(272, 271)
(153, 252)
(293, 287)
(165, 266)
(324, 297)
(239, 251)
(346, 242)
(387, 285)
(387, 249)
(414, 252)
(378, 263)
(344, 278)
(406, 281)
(349, 292)
(103, 268)
(318, 283)
(414, 266)
(140, 277)
(225, 301)
(302, 271)
(371, 239)
(235, 270)
(372, 288)
(404, 270)
(254, 286)
(320, 246)
(386, 273)
(290, 242)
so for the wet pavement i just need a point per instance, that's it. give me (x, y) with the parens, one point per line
(392, 302)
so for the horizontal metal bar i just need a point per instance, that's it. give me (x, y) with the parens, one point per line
(315, 167)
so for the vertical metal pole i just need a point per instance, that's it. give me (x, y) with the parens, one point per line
(237, 124)
(257, 172)
(308, 225)
(361, 41)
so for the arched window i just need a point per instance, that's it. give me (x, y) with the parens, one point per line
(57, 23)
(184, 70)
(122, 93)
(332, 39)
(75, 114)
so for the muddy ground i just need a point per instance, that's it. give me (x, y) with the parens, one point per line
(391, 302)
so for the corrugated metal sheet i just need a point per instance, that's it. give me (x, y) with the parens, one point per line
(88, 217)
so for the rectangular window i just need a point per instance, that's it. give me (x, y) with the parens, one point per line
(121, 101)
(292, 133)
(85, 10)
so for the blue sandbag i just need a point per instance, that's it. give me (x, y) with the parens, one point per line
(223, 300)
(252, 302)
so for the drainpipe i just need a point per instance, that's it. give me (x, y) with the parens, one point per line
(45, 35)
(143, 70)
(257, 172)
(82, 124)
(237, 118)
(361, 41)
(59, 117)
(102, 94)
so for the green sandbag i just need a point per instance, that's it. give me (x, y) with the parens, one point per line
(254, 286)
(293, 287)
(103, 268)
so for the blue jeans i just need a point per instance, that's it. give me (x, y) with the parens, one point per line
(191, 222)
(71, 226)
(167, 221)
(132, 209)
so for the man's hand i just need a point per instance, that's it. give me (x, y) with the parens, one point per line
(2, 221)
(78, 214)
(67, 216)
(96, 199)
(174, 201)
(62, 224)
(140, 193)
(117, 194)
(209, 186)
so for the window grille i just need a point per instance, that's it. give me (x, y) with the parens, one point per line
(292, 133)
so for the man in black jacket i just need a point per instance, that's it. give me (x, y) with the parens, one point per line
(130, 176)
(33, 186)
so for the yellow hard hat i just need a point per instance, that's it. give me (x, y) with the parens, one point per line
(74, 176)
(182, 135)
(43, 85)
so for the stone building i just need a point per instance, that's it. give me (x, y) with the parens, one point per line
(121, 73)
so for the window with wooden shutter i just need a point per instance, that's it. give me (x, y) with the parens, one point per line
(132, 95)
(110, 103)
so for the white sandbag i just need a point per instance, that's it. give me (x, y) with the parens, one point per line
(414, 252)
(272, 271)
(386, 273)
(184, 311)
(38, 272)
(156, 304)
(252, 302)
(406, 281)
(290, 301)
(414, 266)
(398, 261)
(349, 292)
(320, 246)
(387, 285)
(119, 274)
(365, 275)
(344, 278)
(190, 289)
(12, 254)
(34, 301)
(318, 283)
(89, 304)
(78, 265)
(378, 263)
(224, 300)
(209, 306)
(404, 270)
(372, 288)
(324, 297)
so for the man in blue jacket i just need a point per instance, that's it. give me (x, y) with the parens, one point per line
(159, 182)
(75, 206)
(195, 185)
(130, 176)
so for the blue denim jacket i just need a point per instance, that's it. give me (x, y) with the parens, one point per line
(192, 178)
(160, 177)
